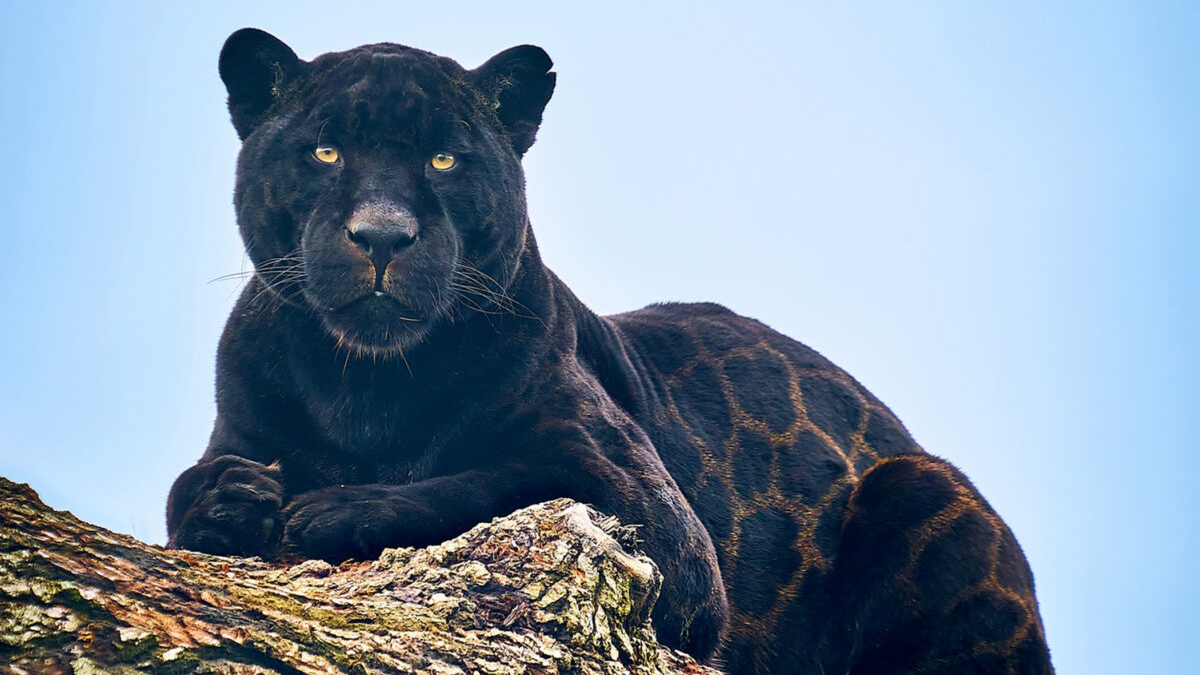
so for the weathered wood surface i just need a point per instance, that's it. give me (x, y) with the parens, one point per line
(545, 590)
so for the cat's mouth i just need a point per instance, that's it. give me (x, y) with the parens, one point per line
(379, 303)
(376, 324)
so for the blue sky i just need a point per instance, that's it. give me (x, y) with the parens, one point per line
(987, 213)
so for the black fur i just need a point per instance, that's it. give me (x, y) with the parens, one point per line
(403, 366)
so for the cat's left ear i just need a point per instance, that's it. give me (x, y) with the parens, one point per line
(518, 83)
(255, 67)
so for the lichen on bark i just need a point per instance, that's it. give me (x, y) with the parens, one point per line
(548, 589)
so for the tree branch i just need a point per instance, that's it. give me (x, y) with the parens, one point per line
(548, 589)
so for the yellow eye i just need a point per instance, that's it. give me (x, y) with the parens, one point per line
(326, 155)
(443, 161)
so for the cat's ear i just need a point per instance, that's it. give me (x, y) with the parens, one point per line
(255, 67)
(518, 83)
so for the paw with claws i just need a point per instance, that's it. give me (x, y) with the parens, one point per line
(232, 508)
(343, 522)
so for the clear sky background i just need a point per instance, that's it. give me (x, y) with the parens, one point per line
(986, 212)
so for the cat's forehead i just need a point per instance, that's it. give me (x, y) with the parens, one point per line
(387, 67)
(388, 88)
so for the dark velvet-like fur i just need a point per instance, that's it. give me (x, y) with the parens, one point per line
(403, 366)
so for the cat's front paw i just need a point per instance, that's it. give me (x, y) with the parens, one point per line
(339, 523)
(233, 508)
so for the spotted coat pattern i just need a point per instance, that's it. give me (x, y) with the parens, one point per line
(819, 503)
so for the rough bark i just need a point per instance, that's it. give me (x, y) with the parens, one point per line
(548, 589)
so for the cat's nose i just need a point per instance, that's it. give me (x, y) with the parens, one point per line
(382, 233)
(384, 239)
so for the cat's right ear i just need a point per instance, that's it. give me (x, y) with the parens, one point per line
(517, 83)
(256, 67)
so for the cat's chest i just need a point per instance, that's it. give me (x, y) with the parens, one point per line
(366, 441)
(369, 425)
(392, 435)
